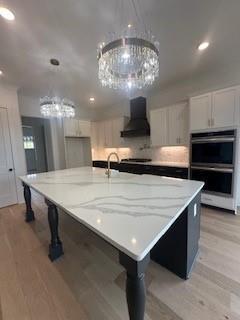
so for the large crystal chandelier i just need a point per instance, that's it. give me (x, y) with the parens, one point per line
(130, 59)
(55, 107)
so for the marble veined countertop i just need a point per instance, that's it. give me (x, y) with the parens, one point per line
(132, 212)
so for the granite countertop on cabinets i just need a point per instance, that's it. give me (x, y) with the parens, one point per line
(132, 212)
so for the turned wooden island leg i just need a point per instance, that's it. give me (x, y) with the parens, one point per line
(27, 196)
(135, 285)
(55, 247)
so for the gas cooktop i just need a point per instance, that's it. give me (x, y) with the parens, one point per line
(136, 160)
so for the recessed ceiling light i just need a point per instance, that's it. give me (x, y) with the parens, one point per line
(92, 99)
(203, 46)
(6, 14)
(129, 25)
(1, 73)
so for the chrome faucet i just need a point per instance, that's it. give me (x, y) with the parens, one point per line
(108, 171)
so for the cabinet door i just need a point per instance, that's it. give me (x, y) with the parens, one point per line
(178, 125)
(108, 133)
(94, 135)
(84, 128)
(159, 127)
(117, 127)
(200, 112)
(224, 108)
(71, 127)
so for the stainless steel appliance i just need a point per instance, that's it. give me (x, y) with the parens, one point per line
(213, 161)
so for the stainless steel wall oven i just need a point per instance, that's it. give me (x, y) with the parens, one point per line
(213, 160)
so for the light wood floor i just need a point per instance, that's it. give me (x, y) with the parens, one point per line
(88, 283)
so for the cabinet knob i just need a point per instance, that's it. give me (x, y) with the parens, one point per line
(10, 169)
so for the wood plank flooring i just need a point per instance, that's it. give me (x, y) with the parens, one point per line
(88, 283)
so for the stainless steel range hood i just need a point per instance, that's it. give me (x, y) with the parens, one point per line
(138, 125)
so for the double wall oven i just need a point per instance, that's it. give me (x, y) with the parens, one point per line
(213, 160)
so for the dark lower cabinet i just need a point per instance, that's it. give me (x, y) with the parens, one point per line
(173, 172)
(177, 250)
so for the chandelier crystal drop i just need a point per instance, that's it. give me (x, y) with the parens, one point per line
(129, 60)
(52, 106)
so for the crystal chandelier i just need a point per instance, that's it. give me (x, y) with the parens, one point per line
(55, 107)
(130, 59)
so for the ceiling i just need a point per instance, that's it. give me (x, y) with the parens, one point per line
(70, 31)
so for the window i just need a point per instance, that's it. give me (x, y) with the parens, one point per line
(28, 142)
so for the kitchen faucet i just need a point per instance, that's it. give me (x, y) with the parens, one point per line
(108, 171)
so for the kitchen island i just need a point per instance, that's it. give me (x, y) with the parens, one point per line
(144, 217)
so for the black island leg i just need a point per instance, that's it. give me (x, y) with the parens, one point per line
(135, 286)
(29, 211)
(55, 247)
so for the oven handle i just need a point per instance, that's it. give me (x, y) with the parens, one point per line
(226, 170)
(216, 140)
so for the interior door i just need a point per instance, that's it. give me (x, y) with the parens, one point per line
(8, 194)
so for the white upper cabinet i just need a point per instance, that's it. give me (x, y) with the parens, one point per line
(217, 109)
(84, 128)
(200, 112)
(107, 133)
(118, 125)
(159, 127)
(94, 134)
(224, 108)
(70, 127)
(169, 125)
(76, 128)
(178, 124)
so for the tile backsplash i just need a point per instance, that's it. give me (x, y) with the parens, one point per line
(140, 148)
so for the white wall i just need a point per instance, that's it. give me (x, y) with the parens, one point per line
(9, 100)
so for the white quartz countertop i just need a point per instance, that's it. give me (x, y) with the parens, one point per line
(132, 212)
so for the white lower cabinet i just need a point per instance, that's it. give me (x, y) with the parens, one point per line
(220, 202)
(169, 125)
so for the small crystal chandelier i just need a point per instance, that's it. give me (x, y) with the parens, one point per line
(56, 107)
(130, 59)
